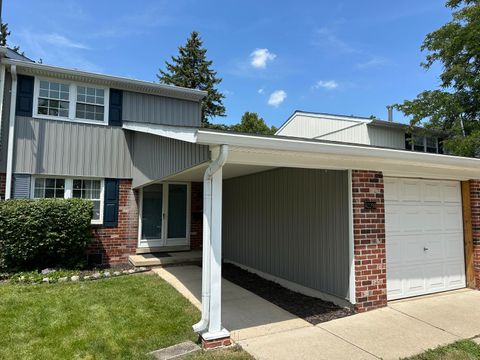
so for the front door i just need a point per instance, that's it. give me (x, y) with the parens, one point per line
(164, 220)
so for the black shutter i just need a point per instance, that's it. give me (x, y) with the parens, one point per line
(24, 96)
(115, 109)
(110, 213)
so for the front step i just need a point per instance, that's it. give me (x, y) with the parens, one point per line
(166, 258)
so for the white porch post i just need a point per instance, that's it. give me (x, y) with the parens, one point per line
(215, 330)
(210, 325)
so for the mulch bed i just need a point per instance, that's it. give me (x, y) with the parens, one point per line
(311, 309)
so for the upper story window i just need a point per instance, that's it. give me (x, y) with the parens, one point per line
(53, 98)
(422, 143)
(90, 103)
(70, 101)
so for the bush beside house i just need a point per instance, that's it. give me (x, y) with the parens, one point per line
(36, 234)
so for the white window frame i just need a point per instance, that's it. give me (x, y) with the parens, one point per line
(72, 99)
(68, 193)
(165, 241)
(412, 143)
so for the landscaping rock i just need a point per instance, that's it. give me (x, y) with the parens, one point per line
(75, 278)
(125, 272)
(86, 277)
(131, 271)
(63, 279)
(116, 273)
(96, 275)
(106, 274)
(143, 268)
(46, 280)
(48, 271)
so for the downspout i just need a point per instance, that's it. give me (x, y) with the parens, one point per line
(2, 91)
(214, 166)
(11, 129)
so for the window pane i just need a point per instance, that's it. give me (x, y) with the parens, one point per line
(152, 212)
(38, 193)
(96, 210)
(50, 183)
(77, 193)
(54, 86)
(177, 211)
(44, 85)
(43, 93)
(39, 182)
(49, 193)
(60, 183)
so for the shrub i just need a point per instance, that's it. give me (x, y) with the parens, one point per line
(36, 234)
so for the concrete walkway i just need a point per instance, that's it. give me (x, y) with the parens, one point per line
(402, 329)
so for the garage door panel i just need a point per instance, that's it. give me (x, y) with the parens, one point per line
(452, 219)
(410, 191)
(424, 237)
(456, 274)
(451, 192)
(432, 192)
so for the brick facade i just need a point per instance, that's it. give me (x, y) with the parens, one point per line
(475, 208)
(3, 184)
(196, 227)
(113, 245)
(369, 240)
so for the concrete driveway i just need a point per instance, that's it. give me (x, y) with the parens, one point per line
(402, 329)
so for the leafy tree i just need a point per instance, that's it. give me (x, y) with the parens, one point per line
(455, 107)
(252, 123)
(4, 34)
(191, 69)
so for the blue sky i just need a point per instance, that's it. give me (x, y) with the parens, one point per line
(346, 57)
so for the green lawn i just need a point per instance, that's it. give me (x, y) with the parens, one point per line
(461, 350)
(117, 318)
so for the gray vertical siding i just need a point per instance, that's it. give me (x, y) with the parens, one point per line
(144, 108)
(69, 148)
(387, 137)
(21, 186)
(5, 122)
(290, 223)
(155, 157)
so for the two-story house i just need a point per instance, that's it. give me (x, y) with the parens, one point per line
(337, 207)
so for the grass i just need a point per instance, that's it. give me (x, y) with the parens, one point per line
(460, 350)
(117, 318)
(234, 353)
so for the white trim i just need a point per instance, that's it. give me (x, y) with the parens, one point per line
(11, 134)
(107, 80)
(68, 190)
(164, 241)
(351, 242)
(294, 286)
(72, 101)
(322, 116)
(318, 154)
(175, 132)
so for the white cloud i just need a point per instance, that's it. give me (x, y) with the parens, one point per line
(277, 97)
(327, 38)
(62, 41)
(376, 61)
(326, 84)
(261, 91)
(260, 58)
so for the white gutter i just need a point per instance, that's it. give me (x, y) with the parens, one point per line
(167, 90)
(212, 169)
(11, 129)
(281, 143)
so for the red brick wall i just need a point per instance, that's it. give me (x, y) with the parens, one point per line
(3, 184)
(116, 244)
(369, 241)
(475, 206)
(196, 228)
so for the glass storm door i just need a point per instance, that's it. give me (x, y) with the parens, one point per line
(164, 215)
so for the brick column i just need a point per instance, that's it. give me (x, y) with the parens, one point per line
(369, 240)
(475, 208)
(113, 245)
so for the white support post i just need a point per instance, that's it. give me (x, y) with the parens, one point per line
(215, 330)
(11, 137)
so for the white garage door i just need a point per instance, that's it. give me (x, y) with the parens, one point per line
(424, 237)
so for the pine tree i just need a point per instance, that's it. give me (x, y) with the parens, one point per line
(4, 34)
(191, 69)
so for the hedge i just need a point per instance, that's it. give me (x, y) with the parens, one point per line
(36, 234)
